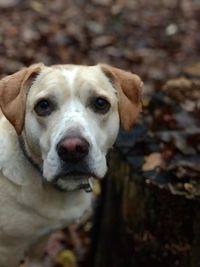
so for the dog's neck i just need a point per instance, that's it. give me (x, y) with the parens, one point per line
(34, 160)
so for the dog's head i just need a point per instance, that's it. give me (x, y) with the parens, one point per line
(68, 117)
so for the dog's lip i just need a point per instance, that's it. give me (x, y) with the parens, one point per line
(85, 178)
(74, 175)
(86, 184)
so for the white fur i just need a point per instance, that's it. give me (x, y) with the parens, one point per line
(30, 207)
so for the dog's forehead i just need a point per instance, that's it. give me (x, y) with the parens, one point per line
(69, 77)
(54, 76)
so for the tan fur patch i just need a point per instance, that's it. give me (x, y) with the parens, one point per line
(129, 87)
(13, 95)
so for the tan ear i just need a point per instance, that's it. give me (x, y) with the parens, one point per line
(13, 92)
(129, 87)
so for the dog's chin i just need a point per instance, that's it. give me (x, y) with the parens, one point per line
(73, 183)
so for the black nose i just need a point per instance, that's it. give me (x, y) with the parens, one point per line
(72, 148)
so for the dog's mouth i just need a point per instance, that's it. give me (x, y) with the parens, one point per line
(74, 181)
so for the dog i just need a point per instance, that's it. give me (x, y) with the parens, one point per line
(57, 124)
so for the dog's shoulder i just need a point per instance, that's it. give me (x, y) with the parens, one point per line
(8, 138)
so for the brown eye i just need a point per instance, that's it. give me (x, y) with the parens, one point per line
(101, 105)
(44, 107)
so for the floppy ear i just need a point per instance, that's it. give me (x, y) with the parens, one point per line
(13, 92)
(129, 88)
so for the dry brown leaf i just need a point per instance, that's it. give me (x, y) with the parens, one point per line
(152, 162)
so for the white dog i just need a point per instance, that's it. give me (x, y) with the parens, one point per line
(56, 127)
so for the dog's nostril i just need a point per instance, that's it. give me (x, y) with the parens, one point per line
(73, 148)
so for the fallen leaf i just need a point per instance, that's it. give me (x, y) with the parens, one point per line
(66, 259)
(152, 162)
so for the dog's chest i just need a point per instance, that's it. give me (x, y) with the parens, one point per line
(30, 214)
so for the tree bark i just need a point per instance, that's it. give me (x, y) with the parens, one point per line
(144, 225)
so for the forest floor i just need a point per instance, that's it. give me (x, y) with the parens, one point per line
(158, 40)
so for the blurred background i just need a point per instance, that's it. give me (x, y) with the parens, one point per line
(147, 210)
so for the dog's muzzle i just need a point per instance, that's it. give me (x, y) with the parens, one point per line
(73, 151)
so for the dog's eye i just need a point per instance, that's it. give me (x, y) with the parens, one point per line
(44, 107)
(100, 105)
